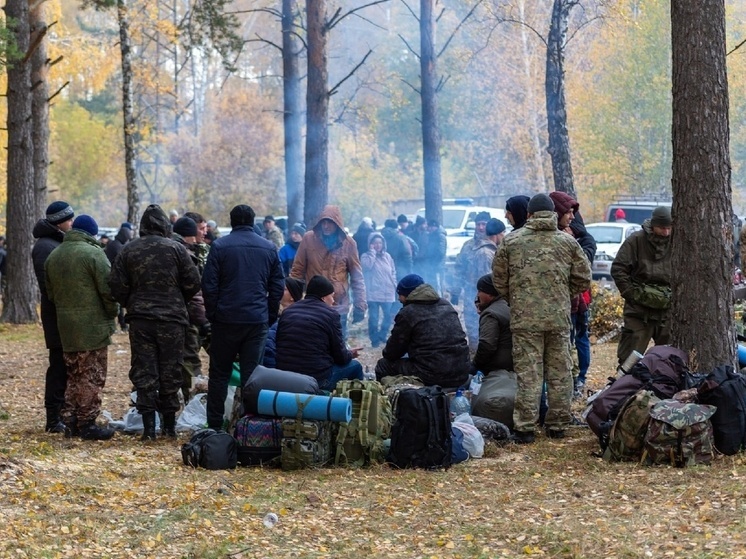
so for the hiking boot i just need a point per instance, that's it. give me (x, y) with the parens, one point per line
(169, 425)
(148, 426)
(71, 428)
(522, 437)
(54, 423)
(92, 432)
(553, 433)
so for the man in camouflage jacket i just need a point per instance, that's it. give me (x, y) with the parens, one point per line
(538, 269)
(154, 278)
(642, 274)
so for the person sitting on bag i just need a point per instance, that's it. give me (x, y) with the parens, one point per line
(310, 341)
(428, 331)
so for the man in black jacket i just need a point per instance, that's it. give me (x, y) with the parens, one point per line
(49, 233)
(310, 341)
(242, 285)
(427, 329)
(155, 277)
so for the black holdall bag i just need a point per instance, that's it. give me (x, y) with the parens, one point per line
(421, 435)
(210, 449)
(725, 389)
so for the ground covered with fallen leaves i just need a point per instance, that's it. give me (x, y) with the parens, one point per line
(124, 499)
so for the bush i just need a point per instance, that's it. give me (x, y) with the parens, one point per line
(607, 307)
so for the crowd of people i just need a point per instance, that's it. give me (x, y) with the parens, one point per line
(262, 296)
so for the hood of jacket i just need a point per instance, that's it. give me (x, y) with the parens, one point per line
(518, 206)
(333, 213)
(423, 294)
(376, 235)
(542, 221)
(78, 236)
(45, 229)
(155, 222)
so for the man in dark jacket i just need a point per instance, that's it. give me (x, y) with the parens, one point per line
(49, 233)
(154, 278)
(310, 341)
(398, 247)
(495, 348)
(427, 329)
(112, 250)
(242, 285)
(642, 273)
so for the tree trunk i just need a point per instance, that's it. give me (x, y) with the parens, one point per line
(20, 296)
(128, 112)
(702, 313)
(559, 140)
(293, 123)
(317, 111)
(40, 107)
(430, 126)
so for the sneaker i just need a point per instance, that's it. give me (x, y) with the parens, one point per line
(522, 437)
(93, 432)
(555, 433)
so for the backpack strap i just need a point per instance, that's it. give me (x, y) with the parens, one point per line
(362, 422)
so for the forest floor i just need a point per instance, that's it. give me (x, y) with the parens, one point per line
(555, 498)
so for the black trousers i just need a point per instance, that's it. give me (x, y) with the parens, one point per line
(56, 382)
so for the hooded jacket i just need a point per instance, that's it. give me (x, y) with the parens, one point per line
(379, 273)
(337, 265)
(518, 207)
(643, 258)
(538, 269)
(495, 348)
(48, 237)
(428, 330)
(76, 276)
(154, 276)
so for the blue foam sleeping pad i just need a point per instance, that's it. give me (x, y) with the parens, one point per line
(319, 408)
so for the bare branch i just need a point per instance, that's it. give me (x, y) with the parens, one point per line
(408, 46)
(270, 11)
(336, 18)
(520, 22)
(467, 16)
(738, 46)
(56, 93)
(581, 26)
(334, 89)
(35, 42)
(370, 22)
(56, 60)
(260, 39)
(411, 11)
(417, 91)
(440, 15)
(442, 82)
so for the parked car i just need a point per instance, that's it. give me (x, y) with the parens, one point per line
(609, 238)
(636, 208)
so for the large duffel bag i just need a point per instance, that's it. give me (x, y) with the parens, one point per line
(259, 439)
(496, 397)
(265, 378)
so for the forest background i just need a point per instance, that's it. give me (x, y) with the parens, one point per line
(210, 138)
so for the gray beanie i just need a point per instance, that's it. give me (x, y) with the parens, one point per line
(661, 217)
(540, 203)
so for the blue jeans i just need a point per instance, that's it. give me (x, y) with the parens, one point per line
(582, 342)
(379, 335)
(352, 371)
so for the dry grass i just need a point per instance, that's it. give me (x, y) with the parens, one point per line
(69, 498)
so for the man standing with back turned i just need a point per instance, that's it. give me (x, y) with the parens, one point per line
(538, 269)
(242, 285)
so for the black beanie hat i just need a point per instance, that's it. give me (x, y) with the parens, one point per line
(661, 217)
(295, 288)
(59, 212)
(86, 223)
(540, 203)
(485, 285)
(186, 227)
(494, 227)
(319, 287)
(242, 215)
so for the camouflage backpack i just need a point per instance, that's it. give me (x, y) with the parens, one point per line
(627, 435)
(679, 434)
(361, 441)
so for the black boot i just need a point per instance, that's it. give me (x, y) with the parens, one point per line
(148, 426)
(168, 428)
(54, 423)
(71, 428)
(92, 432)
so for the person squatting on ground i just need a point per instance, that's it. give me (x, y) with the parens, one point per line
(309, 338)
(49, 233)
(76, 277)
(642, 273)
(538, 269)
(242, 285)
(292, 294)
(380, 286)
(154, 277)
(427, 330)
(326, 250)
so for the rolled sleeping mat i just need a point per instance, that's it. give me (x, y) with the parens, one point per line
(741, 355)
(319, 408)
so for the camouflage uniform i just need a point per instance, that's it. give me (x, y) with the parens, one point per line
(275, 236)
(538, 269)
(644, 259)
(86, 378)
(155, 277)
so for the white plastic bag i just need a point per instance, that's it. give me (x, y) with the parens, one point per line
(194, 416)
(473, 439)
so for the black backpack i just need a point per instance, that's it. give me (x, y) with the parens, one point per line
(726, 390)
(421, 435)
(211, 450)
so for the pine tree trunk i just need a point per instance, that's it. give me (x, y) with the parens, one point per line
(430, 126)
(40, 108)
(317, 112)
(559, 139)
(20, 296)
(293, 122)
(128, 112)
(702, 313)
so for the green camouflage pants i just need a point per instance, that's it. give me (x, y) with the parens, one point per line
(637, 333)
(540, 357)
(86, 377)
